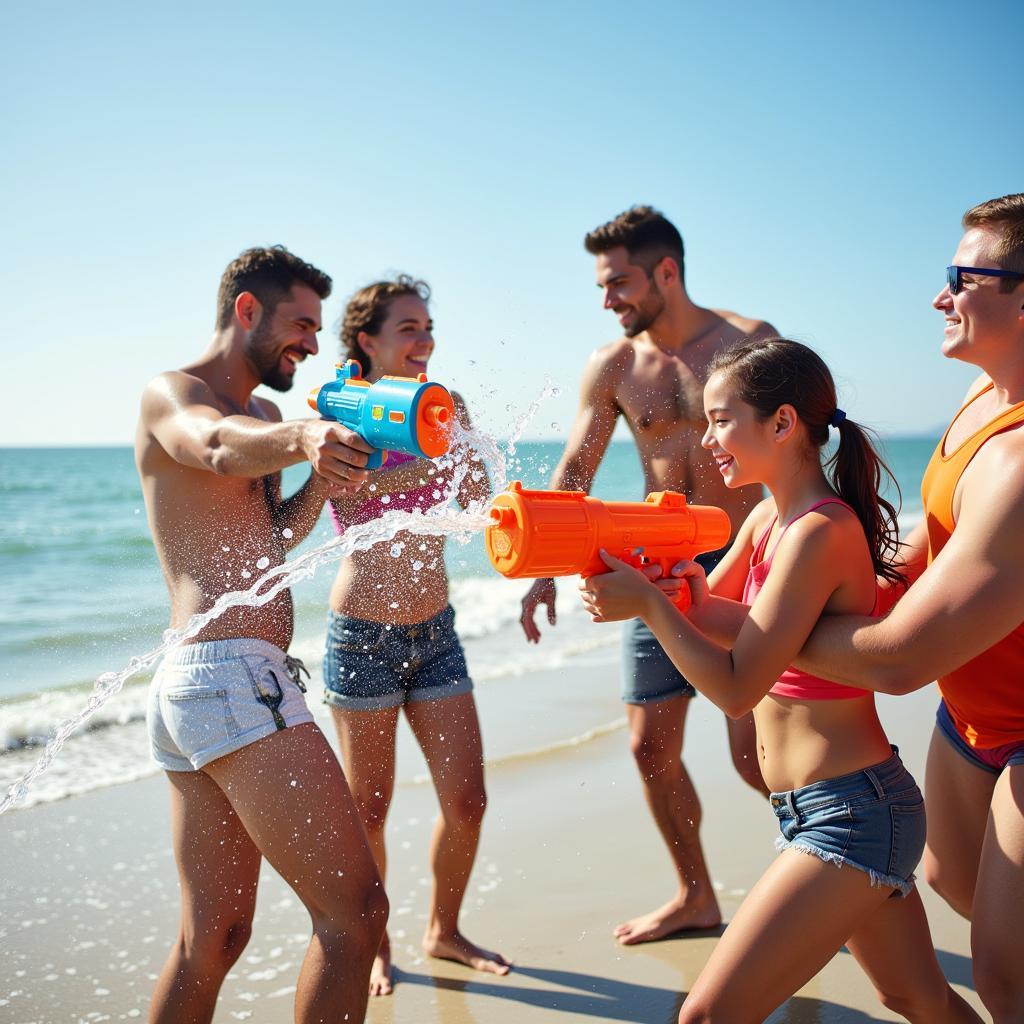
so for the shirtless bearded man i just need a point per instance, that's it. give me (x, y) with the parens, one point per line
(250, 775)
(654, 376)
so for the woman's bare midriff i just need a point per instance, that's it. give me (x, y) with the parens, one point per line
(377, 587)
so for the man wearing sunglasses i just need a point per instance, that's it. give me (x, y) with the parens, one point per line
(962, 619)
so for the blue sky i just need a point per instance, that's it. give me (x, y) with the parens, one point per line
(816, 157)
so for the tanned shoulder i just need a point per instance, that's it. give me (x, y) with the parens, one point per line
(746, 325)
(610, 363)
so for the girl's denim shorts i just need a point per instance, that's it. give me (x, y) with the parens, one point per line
(872, 820)
(369, 666)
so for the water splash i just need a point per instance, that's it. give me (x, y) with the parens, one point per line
(441, 519)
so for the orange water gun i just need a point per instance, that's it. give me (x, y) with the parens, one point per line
(534, 534)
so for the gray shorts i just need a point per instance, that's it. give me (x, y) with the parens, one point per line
(648, 674)
(211, 699)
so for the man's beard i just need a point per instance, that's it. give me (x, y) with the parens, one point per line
(265, 361)
(647, 312)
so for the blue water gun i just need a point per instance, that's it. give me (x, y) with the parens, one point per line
(402, 414)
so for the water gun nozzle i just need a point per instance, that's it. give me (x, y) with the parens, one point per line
(437, 415)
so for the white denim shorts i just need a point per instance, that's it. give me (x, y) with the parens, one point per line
(211, 699)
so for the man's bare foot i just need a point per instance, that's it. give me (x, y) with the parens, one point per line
(674, 916)
(458, 948)
(381, 983)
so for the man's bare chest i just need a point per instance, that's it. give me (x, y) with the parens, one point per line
(668, 399)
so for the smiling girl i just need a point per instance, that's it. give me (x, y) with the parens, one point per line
(851, 816)
(391, 641)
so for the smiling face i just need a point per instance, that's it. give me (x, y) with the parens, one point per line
(629, 292)
(283, 338)
(405, 341)
(981, 319)
(739, 440)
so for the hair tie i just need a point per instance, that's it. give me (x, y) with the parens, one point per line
(837, 417)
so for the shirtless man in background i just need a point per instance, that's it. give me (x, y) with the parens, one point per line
(654, 376)
(250, 774)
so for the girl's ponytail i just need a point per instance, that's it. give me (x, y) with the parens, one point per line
(855, 471)
(775, 372)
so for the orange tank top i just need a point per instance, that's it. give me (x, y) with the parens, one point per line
(985, 696)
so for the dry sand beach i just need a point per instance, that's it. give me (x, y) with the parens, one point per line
(89, 895)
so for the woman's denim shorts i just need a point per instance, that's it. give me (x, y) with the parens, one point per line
(369, 666)
(871, 820)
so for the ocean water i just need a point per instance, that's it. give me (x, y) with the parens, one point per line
(83, 594)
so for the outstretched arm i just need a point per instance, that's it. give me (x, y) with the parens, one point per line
(967, 600)
(182, 413)
(589, 438)
(808, 568)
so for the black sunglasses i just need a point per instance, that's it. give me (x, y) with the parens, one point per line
(954, 276)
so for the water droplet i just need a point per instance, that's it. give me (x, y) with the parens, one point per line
(224, 547)
(246, 574)
(417, 565)
(385, 499)
(263, 563)
(286, 532)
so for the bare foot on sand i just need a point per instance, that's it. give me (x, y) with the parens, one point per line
(380, 974)
(675, 916)
(458, 948)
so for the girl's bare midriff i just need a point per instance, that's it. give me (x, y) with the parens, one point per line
(805, 741)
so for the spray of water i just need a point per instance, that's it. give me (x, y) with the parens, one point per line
(441, 519)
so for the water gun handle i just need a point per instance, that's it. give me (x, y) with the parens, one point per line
(682, 599)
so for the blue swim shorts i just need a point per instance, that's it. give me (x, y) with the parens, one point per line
(872, 820)
(992, 760)
(648, 674)
(369, 666)
(211, 699)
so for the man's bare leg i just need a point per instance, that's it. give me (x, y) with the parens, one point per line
(218, 868)
(957, 795)
(999, 903)
(448, 732)
(290, 795)
(656, 739)
(367, 740)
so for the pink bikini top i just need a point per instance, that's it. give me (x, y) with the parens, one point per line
(422, 497)
(793, 683)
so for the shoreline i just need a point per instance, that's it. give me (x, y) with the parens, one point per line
(568, 851)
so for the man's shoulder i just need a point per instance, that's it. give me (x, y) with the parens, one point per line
(612, 358)
(1000, 461)
(748, 326)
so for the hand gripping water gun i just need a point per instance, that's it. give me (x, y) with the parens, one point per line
(534, 534)
(404, 414)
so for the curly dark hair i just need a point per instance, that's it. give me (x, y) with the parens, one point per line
(269, 274)
(368, 309)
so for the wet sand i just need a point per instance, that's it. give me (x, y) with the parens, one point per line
(89, 898)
